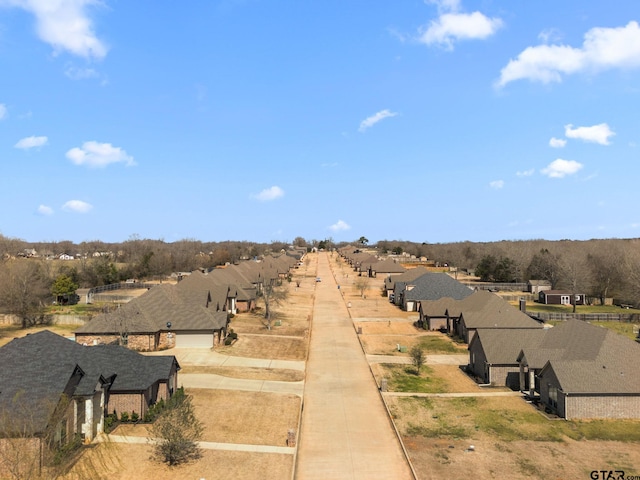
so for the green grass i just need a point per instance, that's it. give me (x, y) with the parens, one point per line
(79, 309)
(435, 345)
(539, 307)
(403, 378)
(459, 417)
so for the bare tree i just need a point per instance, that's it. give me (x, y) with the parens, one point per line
(273, 294)
(361, 284)
(24, 290)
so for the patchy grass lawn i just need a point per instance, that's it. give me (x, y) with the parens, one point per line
(506, 419)
(603, 309)
(404, 378)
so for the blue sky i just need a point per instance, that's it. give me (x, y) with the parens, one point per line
(430, 121)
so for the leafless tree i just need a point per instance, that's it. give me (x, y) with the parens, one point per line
(24, 289)
(361, 284)
(274, 293)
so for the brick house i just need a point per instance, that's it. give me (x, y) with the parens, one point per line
(53, 389)
(583, 371)
(165, 316)
(485, 310)
(493, 354)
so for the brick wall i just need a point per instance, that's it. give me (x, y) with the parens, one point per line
(601, 406)
(129, 402)
(142, 342)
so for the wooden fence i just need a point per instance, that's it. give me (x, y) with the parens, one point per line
(586, 317)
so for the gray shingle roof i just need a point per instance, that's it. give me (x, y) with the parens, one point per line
(501, 347)
(432, 286)
(486, 310)
(42, 366)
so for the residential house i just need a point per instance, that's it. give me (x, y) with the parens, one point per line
(493, 354)
(579, 370)
(430, 286)
(53, 389)
(486, 310)
(536, 286)
(165, 316)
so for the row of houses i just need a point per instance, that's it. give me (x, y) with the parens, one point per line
(575, 370)
(194, 313)
(54, 390)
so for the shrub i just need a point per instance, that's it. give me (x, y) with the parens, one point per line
(124, 417)
(134, 417)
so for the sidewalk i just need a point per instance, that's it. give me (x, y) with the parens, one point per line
(207, 357)
(210, 380)
(345, 433)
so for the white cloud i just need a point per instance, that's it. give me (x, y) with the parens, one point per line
(373, 119)
(94, 154)
(451, 27)
(76, 73)
(595, 134)
(3, 111)
(525, 173)
(45, 210)
(602, 49)
(557, 142)
(77, 206)
(497, 184)
(31, 142)
(64, 24)
(269, 194)
(561, 168)
(340, 226)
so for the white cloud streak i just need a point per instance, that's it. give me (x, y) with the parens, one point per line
(64, 24)
(45, 210)
(3, 111)
(497, 184)
(452, 27)
(340, 226)
(31, 142)
(269, 194)
(557, 142)
(561, 168)
(525, 173)
(595, 134)
(373, 119)
(602, 49)
(99, 155)
(77, 206)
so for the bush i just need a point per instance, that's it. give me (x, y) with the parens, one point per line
(176, 431)
(134, 417)
(110, 422)
(124, 417)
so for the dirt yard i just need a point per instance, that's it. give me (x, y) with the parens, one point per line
(511, 439)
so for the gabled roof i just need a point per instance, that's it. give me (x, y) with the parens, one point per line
(610, 368)
(484, 309)
(186, 310)
(384, 266)
(432, 286)
(43, 366)
(501, 347)
(400, 281)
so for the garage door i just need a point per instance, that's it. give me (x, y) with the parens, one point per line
(194, 340)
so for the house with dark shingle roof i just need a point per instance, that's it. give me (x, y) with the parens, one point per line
(486, 310)
(493, 354)
(581, 370)
(430, 286)
(64, 389)
(165, 316)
